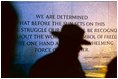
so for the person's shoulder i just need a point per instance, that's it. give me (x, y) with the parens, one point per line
(113, 63)
(46, 58)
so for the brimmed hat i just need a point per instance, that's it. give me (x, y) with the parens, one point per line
(72, 32)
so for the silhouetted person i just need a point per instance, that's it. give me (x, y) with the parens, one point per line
(112, 69)
(9, 20)
(63, 62)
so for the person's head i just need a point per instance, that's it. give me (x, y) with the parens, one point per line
(71, 36)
